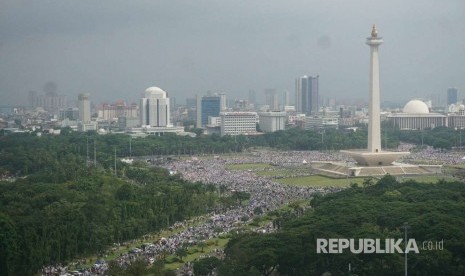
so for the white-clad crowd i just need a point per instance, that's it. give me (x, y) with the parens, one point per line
(265, 194)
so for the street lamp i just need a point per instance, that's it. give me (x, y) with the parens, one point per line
(322, 132)
(460, 138)
(405, 227)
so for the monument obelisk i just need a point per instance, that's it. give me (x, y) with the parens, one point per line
(374, 127)
(373, 156)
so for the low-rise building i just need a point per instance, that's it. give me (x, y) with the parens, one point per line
(236, 123)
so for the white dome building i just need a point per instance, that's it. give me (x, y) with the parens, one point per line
(155, 108)
(155, 92)
(416, 107)
(416, 115)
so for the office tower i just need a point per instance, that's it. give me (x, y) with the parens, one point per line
(71, 113)
(272, 121)
(271, 99)
(452, 95)
(210, 106)
(285, 98)
(198, 110)
(51, 101)
(307, 94)
(173, 103)
(223, 104)
(252, 98)
(119, 109)
(155, 108)
(32, 98)
(84, 107)
(191, 103)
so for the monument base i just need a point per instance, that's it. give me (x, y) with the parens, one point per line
(343, 170)
(382, 158)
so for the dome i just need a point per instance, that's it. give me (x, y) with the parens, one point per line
(155, 92)
(416, 107)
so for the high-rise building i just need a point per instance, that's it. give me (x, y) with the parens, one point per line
(252, 99)
(71, 113)
(452, 95)
(285, 98)
(51, 101)
(223, 104)
(271, 99)
(198, 111)
(155, 108)
(84, 107)
(119, 109)
(191, 103)
(210, 106)
(307, 94)
(32, 98)
(272, 121)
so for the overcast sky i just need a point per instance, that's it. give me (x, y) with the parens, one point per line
(115, 49)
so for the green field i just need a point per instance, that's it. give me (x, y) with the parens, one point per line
(281, 172)
(319, 181)
(248, 166)
(322, 181)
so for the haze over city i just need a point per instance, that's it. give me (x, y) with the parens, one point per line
(116, 49)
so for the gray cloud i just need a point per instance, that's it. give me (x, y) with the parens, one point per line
(115, 49)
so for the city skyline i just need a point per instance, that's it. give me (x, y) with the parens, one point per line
(116, 51)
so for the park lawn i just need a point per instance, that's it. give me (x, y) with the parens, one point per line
(319, 181)
(455, 166)
(248, 166)
(273, 173)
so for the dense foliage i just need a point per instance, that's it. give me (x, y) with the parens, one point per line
(433, 211)
(67, 200)
(62, 206)
(60, 158)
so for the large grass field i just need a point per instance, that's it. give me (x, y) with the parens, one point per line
(288, 176)
(248, 166)
(280, 172)
(322, 181)
(319, 181)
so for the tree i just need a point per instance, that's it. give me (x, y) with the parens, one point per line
(206, 266)
(367, 182)
(114, 269)
(137, 268)
(202, 245)
(9, 247)
(434, 212)
(241, 196)
(158, 268)
(181, 252)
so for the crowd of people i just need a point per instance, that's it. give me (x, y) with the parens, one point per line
(431, 156)
(265, 194)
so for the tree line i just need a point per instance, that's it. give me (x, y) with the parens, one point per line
(62, 206)
(433, 211)
(24, 154)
